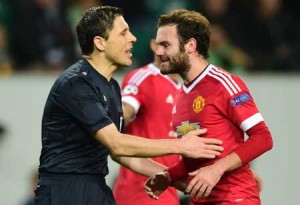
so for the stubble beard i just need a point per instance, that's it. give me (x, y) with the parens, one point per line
(179, 64)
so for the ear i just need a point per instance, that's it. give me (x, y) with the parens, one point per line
(99, 43)
(153, 45)
(191, 45)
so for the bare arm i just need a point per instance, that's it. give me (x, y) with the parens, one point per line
(142, 166)
(128, 112)
(132, 146)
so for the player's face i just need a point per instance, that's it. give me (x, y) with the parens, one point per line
(119, 43)
(172, 59)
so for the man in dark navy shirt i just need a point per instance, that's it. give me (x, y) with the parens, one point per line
(82, 120)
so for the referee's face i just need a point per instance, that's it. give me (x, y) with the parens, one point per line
(119, 44)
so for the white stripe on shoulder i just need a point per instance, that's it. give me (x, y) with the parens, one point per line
(229, 78)
(225, 78)
(251, 121)
(140, 76)
(221, 81)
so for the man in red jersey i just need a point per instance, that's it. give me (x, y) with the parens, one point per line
(147, 98)
(210, 98)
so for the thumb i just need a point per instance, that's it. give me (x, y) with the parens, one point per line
(194, 173)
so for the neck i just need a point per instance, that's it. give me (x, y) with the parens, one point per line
(174, 77)
(101, 65)
(198, 64)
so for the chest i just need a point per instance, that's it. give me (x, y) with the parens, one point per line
(194, 109)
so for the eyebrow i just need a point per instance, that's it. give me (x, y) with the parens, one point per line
(125, 30)
(162, 42)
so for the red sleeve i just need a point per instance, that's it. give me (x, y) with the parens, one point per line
(178, 171)
(259, 141)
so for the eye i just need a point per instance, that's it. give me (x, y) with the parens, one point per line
(165, 45)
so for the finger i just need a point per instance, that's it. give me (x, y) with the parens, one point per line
(213, 147)
(194, 173)
(191, 184)
(196, 190)
(147, 189)
(212, 141)
(151, 194)
(199, 131)
(207, 155)
(212, 152)
(201, 191)
(207, 191)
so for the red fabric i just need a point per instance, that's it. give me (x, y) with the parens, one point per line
(259, 141)
(177, 171)
(152, 94)
(222, 103)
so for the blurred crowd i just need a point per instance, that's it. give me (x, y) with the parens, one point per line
(247, 35)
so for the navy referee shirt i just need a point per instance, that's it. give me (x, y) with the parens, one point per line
(80, 102)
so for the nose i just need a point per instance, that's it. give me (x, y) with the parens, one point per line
(133, 38)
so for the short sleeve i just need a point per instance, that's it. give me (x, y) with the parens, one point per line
(79, 98)
(239, 105)
(131, 90)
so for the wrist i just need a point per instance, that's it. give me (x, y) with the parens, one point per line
(228, 163)
(177, 172)
(176, 146)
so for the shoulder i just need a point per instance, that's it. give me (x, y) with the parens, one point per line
(74, 76)
(140, 75)
(225, 81)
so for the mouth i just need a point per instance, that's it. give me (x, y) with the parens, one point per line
(164, 59)
(129, 52)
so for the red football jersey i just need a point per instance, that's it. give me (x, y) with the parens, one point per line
(220, 102)
(151, 94)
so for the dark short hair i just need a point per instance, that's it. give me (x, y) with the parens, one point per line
(96, 21)
(190, 24)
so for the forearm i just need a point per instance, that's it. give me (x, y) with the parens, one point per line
(142, 166)
(128, 112)
(191, 145)
(229, 163)
(132, 146)
(259, 141)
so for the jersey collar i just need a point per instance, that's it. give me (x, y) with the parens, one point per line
(187, 88)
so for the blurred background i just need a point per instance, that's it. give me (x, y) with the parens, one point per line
(257, 39)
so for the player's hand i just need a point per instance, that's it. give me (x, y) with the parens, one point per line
(194, 146)
(204, 181)
(157, 184)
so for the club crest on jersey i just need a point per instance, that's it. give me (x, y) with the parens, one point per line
(185, 127)
(239, 99)
(198, 104)
(130, 89)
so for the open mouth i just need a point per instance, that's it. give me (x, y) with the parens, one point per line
(129, 52)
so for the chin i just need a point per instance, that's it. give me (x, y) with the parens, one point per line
(125, 63)
(164, 71)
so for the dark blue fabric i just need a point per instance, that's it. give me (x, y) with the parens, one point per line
(80, 102)
(73, 190)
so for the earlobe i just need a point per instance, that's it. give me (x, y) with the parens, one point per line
(99, 43)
